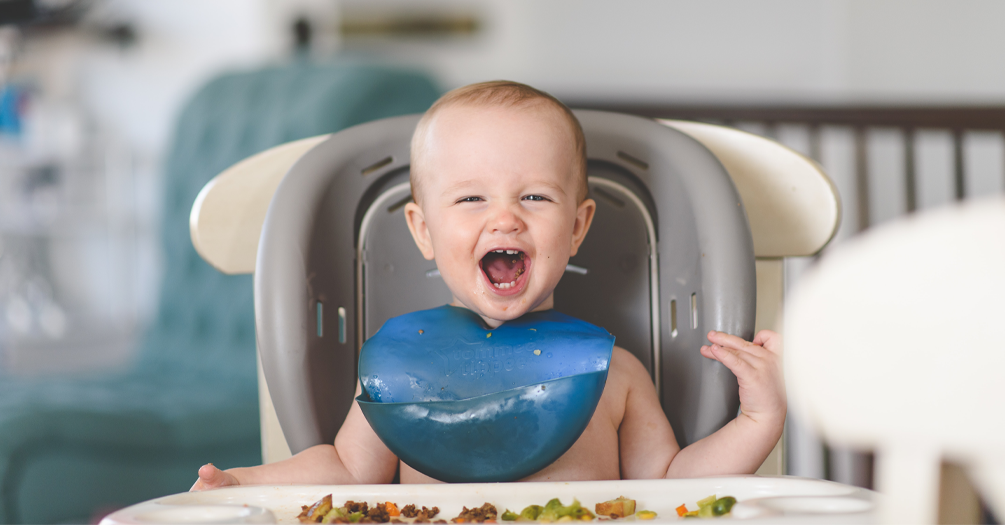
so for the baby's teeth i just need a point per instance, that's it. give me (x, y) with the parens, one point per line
(500, 251)
(511, 252)
(504, 286)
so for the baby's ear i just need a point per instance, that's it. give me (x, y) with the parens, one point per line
(584, 217)
(420, 232)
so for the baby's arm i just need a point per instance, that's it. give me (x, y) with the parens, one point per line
(358, 456)
(743, 444)
(737, 448)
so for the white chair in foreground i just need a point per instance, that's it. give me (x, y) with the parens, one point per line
(894, 343)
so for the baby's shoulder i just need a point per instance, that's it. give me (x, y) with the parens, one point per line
(625, 374)
(625, 368)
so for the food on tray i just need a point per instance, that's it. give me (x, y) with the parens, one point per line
(484, 514)
(710, 507)
(323, 511)
(316, 512)
(529, 513)
(552, 512)
(616, 508)
(421, 516)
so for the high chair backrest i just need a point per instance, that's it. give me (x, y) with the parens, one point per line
(670, 256)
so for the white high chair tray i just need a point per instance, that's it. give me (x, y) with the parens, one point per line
(782, 499)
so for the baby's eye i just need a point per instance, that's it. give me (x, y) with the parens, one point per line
(469, 199)
(535, 198)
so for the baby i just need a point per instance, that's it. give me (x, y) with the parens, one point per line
(501, 165)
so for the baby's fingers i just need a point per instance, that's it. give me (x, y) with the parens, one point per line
(734, 342)
(772, 341)
(211, 477)
(729, 357)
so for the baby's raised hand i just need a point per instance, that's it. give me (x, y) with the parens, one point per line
(211, 477)
(758, 369)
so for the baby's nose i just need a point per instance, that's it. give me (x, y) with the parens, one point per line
(504, 220)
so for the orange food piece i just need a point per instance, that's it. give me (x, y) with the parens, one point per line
(682, 510)
(392, 509)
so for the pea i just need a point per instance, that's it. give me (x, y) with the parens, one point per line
(723, 505)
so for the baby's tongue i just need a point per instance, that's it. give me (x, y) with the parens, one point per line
(502, 267)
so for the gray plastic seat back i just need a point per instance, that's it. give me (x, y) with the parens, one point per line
(668, 258)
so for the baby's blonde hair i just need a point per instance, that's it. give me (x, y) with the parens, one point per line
(499, 93)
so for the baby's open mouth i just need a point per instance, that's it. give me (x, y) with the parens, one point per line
(503, 267)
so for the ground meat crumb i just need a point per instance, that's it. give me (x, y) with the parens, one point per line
(421, 516)
(353, 506)
(485, 513)
(377, 514)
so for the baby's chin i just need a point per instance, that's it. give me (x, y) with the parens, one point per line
(497, 312)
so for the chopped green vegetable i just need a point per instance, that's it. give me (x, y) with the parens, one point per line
(710, 507)
(530, 513)
(723, 505)
(509, 515)
(702, 503)
(337, 512)
(554, 511)
(355, 517)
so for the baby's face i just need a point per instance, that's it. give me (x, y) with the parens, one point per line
(498, 207)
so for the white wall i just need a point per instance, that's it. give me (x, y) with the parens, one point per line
(729, 50)
(739, 51)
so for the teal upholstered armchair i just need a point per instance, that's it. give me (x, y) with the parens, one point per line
(69, 449)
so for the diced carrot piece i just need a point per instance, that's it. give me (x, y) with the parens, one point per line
(392, 509)
(682, 510)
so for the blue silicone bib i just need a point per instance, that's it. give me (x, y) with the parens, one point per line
(447, 353)
(463, 403)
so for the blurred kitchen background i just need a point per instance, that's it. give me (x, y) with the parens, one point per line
(901, 101)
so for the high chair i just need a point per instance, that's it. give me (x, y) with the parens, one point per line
(893, 343)
(692, 224)
(686, 213)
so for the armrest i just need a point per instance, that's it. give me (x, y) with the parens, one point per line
(228, 214)
(792, 206)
